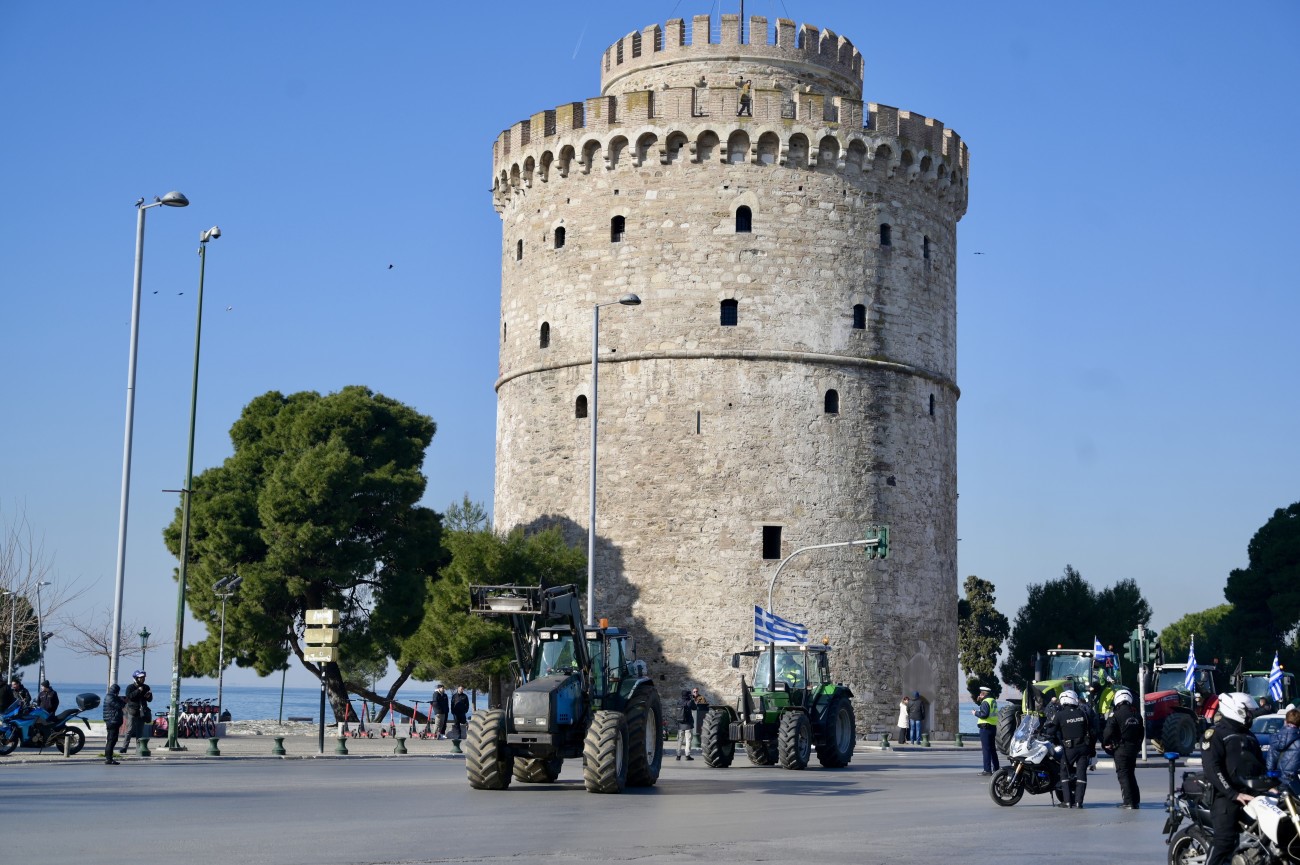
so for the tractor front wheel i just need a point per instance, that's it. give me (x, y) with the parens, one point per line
(645, 745)
(1179, 734)
(486, 762)
(761, 753)
(604, 753)
(715, 739)
(839, 735)
(794, 741)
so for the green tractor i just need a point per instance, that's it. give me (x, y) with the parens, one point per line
(1078, 670)
(1255, 683)
(579, 693)
(792, 706)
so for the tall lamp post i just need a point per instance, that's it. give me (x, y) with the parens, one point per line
(40, 634)
(13, 608)
(171, 199)
(224, 589)
(174, 710)
(144, 646)
(625, 300)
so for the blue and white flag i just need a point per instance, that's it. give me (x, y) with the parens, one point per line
(1275, 679)
(1189, 681)
(1099, 651)
(771, 628)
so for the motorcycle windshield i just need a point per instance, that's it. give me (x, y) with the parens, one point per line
(1024, 735)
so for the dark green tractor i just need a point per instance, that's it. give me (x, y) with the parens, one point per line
(579, 693)
(792, 707)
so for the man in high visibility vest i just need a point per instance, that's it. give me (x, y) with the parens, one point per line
(986, 718)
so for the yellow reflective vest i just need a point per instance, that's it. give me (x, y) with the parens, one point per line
(992, 719)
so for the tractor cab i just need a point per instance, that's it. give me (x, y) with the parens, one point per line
(1255, 683)
(789, 669)
(1173, 677)
(1093, 675)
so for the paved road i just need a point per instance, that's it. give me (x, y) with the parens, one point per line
(904, 807)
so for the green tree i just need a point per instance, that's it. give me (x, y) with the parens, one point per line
(1265, 595)
(316, 508)
(1206, 626)
(981, 630)
(466, 516)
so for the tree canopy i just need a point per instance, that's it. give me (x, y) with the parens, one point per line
(1207, 627)
(1265, 595)
(981, 629)
(316, 508)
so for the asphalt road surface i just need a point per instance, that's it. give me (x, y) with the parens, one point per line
(909, 808)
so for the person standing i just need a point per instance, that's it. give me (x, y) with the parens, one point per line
(48, 698)
(1284, 750)
(701, 709)
(441, 708)
(746, 108)
(1122, 738)
(20, 695)
(916, 717)
(1071, 729)
(138, 697)
(986, 718)
(685, 724)
(112, 721)
(1231, 758)
(459, 712)
(902, 721)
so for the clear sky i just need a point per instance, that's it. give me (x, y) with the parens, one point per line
(1128, 383)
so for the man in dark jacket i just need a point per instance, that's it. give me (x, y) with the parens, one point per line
(459, 712)
(48, 698)
(138, 697)
(916, 718)
(1071, 729)
(685, 725)
(1122, 738)
(441, 708)
(112, 721)
(1231, 759)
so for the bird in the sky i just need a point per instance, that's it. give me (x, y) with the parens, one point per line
(390, 267)
(179, 293)
(229, 308)
(155, 292)
(979, 253)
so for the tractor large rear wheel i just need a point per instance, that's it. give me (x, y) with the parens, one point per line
(761, 753)
(1179, 734)
(486, 762)
(839, 734)
(604, 753)
(715, 739)
(794, 741)
(645, 746)
(538, 770)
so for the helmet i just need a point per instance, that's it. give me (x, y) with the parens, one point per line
(1123, 695)
(138, 674)
(1237, 706)
(1069, 698)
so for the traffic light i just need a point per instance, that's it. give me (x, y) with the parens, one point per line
(1154, 652)
(879, 534)
(1132, 652)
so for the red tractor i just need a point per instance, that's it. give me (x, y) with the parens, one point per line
(1176, 718)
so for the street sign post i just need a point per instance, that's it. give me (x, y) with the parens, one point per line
(322, 647)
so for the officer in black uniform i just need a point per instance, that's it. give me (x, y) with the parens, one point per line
(1122, 738)
(1071, 729)
(1231, 759)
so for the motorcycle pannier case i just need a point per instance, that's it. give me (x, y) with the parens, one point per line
(87, 701)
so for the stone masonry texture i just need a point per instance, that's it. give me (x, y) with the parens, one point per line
(828, 406)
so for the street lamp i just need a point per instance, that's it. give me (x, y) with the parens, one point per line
(13, 608)
(224, 589)
(171, 199)
(174, 710)
(40, 634)
(625, 300)
(144, 646)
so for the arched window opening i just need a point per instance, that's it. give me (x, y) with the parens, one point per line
(730, 312)
(544, 340)
(859, 317)
(832, 401)
(580, 407)
(886, 234)
(925, 247)
(617, 226)
(744, 220)
(559, 238)
(519, 251)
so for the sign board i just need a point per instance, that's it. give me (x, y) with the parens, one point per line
(321, 654)
(322, 617)
(321, 636)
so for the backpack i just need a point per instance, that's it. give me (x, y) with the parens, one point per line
(1008, 720)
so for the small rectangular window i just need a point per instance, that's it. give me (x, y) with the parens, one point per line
(730, 313)
(771, 542)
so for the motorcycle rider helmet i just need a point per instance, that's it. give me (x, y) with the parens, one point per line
(1237, 706)
(1069, 698)
(138, 674)
(1123, 695)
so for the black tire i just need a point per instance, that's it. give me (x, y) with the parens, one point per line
(645, 755)
(486, 762)
(715, 739)
(839, 734)
(537, 770)
(1003, 790)
(794, 741)
(604, 753)
(761, 753)
(8, 743)
(78, 740)
(1189, 846)
(1179, 733)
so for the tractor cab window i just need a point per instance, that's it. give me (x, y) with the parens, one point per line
(617, 658)
(555, 656)
(1256, 686)
(1077, 667)
(823, 674)
(789, 669)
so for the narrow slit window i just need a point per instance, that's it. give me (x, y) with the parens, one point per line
(859, 317)
(886, 234)
(833, 401)
(617, 226)
(730, 313)
(931, 405)
(925, 248)
(559, 238)
(544, 339)
(519, 251)
(504, 330)
(744, 220)
(580, 407)
(771, 542)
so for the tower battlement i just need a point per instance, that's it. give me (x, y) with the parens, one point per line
(757, 51)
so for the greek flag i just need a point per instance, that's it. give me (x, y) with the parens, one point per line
(771, 628)
(1189, 681)
(1099, 651)
(1275, 679)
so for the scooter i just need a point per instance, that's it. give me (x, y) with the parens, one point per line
(1034, 768)
(36, 728)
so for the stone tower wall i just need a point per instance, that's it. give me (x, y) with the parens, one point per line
(708, 433)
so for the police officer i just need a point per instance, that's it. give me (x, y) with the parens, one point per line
(1071, 729)
(1122, 738)
(986, 718)
(1230, 759)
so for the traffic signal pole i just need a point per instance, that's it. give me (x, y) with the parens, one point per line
(1142, 683)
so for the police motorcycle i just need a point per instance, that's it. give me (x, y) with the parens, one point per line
(1034, 767)
(36, 728)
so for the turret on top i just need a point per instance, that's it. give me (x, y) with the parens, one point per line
(797, 58)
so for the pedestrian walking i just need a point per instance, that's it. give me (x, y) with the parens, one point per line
(48, 698)
(138, 697)
(685, 724)
(459, 713)
(986, 718)
(441, 708)
(916, 717)
(1122, 739)
(902, 721)
(112, 721)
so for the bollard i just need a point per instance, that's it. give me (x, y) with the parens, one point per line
(144, 748)
(342, 746)
(455, 747)
(960, 743)
(67, 746)
(884, 741)
(401, 746)
(925, 739)
(213, 750)
(278, 750)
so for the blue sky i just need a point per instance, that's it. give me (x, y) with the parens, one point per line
(1126, 355)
